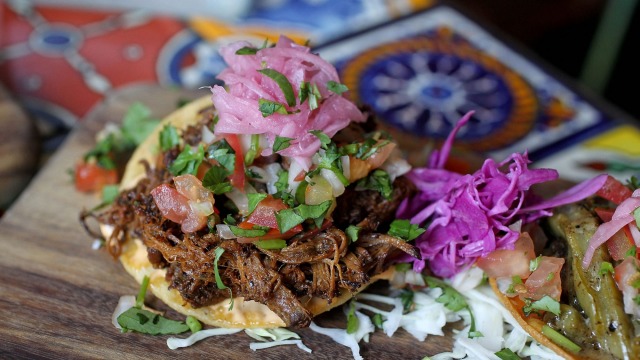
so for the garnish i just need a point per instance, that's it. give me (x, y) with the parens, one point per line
(605, 268)
(281, 143)
(222, 152)
(193, 324)
(352, 319)
(336, 87)
(546, 303)
(137, 124)
(405, 230)
(352, 232)
(218, 252)
(533, 264)
(254, 200)
(377, 180)
(169, 138)
(288, 218)
(109, 193)
(144, 321)
(215, 179)
(507, 354)
(377, 320)
(311, 93)
(256, 231)
(453, 301)
(253, 150)
(283, 83)
(268, 107)
(188, 161)
(325, 140)
(560, 339)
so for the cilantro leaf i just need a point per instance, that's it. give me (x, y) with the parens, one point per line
(268, 107)
(287, 219)
(247, 50)
(547, 303)
(377, 320)
(405, 230)
(169, 138)
(377, 180)
(352, 232)
(146, 322)
(254, 200)
(311, 93)
(137, 123)
(251, 153)
(215, 179)
(283, 83)
(223, 153)
(110, 193)
(325, 140)
(216, 272)
(336, 87)
(187, 161)
(281, 143)
(507, 354)
(453, 301)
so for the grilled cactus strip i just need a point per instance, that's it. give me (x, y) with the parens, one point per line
(597, 294)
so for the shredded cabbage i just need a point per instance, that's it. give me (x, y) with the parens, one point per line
(469, 215)
(174, 342)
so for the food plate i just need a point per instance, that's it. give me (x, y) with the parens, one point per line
(57, 294)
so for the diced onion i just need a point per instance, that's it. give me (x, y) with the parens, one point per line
(346, 166)
(240, 199)
(396, 167)
(208, 137)
(175, 343)
(225, 232)
(332, 178)
(272, 171)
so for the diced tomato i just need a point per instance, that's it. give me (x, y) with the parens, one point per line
(265, 215)
(620, 243)
(171, 203)
(604, 214)
(237, 179)
(92, 177)
(380, 156)
(508, 263)
(545, 280)
(614, 191)
(189, 204)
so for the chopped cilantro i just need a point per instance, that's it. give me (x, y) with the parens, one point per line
(325, 140)
(137, 123)
(633, 183)
(336, 87)
(187, 161)
(193, 324)
(547, 303)
(406, 297)
(352, 232)
(256, 231)
(405, 230)
(288, 218)
(453, 301)
(268, 107)
(403, 267)
(215, 179)
(377, 320)
(254, 200)
(283, 83)
(507, 354)
(560, 339)
(142, 292)
(247, 50)
(311, 93)
(223, 153)
(280, 143)
(251, 153)
(377, 180)
(631, 252)
(216, 272)
(605, 267)
(146, 322)
(169, 138)
(110, 193)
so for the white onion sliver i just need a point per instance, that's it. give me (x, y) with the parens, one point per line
(336, 185)
(208, 137)
(341, 337)
(225, 232)
(396, 167)
(125, 303)
(174, 343)
(240, 199)
(264, 345)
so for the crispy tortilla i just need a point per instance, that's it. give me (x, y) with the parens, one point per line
(245, 314)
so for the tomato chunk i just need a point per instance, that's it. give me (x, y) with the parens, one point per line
(188, 204)
(91, 177)
(545, 280)
(265, 212)
(237, 179)
(626, 274)
(614, 191)
(508, 263)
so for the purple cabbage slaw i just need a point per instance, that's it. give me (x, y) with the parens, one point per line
(467, 216)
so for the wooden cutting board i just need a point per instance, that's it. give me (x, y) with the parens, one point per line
(57, 294)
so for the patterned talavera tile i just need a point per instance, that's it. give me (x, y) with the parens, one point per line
(421, 73)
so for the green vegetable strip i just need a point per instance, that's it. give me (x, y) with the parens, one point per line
(253, 150)
(560, 339)
(142, 292)
(218, 252)
(283, 83)
(271, 244)
(193, 324)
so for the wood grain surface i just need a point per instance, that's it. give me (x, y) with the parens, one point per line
(57, 294)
